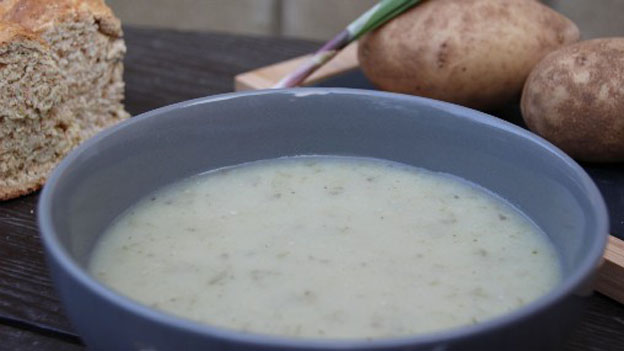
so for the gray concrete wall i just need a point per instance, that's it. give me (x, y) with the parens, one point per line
(319, 19)
(238, 16)
(595, 18)
(312, 19)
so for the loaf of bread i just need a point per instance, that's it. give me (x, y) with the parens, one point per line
(60, 83)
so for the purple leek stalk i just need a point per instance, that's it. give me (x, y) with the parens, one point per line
(379, 14)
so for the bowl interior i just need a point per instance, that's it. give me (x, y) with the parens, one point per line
(109, 173)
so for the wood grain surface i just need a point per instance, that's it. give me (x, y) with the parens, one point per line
(164, 67)
(12, 338)
(611, 276)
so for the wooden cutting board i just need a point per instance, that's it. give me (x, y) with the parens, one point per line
(610, 279)
(266, 77)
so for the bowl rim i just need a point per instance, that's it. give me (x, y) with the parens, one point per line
(568, 286)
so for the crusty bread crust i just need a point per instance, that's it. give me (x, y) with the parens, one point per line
(38, 15)
(10, 31)
(11, 192)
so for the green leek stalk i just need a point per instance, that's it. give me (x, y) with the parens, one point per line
(379, 14)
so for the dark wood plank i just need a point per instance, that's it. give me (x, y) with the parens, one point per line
(163, 67)
(26, 292)
(15, 339)
(602, 327)
(610, 180)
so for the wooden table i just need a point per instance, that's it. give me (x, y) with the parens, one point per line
(163, 67)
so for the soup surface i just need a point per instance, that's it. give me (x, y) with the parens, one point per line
(327, 247)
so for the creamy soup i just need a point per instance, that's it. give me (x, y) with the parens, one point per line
(327, 247)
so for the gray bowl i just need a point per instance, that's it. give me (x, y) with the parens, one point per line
(107, 174)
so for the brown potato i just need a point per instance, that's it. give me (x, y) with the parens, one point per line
(575, 98)
(476, 53)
